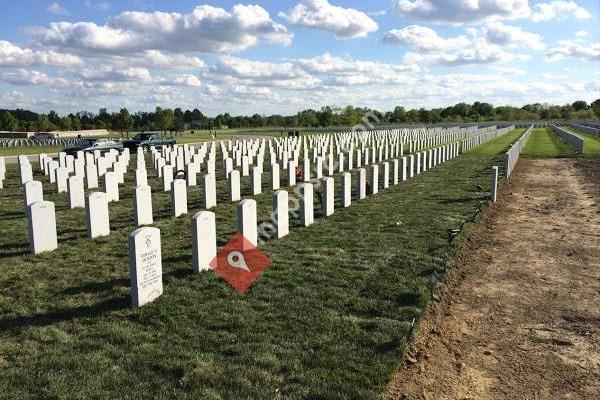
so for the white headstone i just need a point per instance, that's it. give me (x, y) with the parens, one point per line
(26, 173)
(141, 177)
(91, 176)
(245, 166)
(145, 265)
(204, 240)
(256, 180)
(275, 183)
(395, 170)
(494, 183)
(61, 179)
(319, 168)
(385, 175)
(291, 173)
(167, 177)
(307, 215)
(179, 197)
(142, 205)
(246, 220)
(327, 199)
(210, 191)
(280, 213)
(52, 167)
(228, 167)
(76, 192)
(234, 185)
(374, 179)
(111, 187)
(191, 174)
(97, 217)
(33, 192)
(411, 166)
(306, 169)
(361, 184)
(346, 189)
(41, 220)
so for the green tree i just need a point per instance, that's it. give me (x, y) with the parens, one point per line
(596, 107)
(326, 116)
(163, 119)
(399, 115)
(8, 122)
(579, 105)
(123, 121)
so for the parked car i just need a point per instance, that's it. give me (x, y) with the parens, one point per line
(94, 144)
(147, 140)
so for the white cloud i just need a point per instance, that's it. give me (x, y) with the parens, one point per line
(511, 36)
(57, 9)
(344, 23)
(99, 6)
(509, 71)
(423, 38)
(250, 91)
(212, 90)
(236, 70)
(558, 9)
(463, 11)
(181, 80)
(378, 13)
(337, 70)
(25, 77)
(479, 51)
(112, 74)
(206, 29)
(551, 75)
(570, 48)
(581, 34)
(15, 56)
(158, 59)
(485, 46)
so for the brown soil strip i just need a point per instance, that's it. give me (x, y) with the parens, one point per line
(519, 317)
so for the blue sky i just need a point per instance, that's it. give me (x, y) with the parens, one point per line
(284, 56)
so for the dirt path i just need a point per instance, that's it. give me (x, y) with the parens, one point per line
(520, 316)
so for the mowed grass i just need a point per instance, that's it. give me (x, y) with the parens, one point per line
(543, 143)
(498, 145)
(16, 151)
(327, 320)
(591, 144)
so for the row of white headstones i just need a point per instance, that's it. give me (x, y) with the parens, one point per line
(41, 214)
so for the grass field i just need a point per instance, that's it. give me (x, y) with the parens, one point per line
(499, 145)
(16, 151)
(328, 319)
(543, 143)
(591, 144)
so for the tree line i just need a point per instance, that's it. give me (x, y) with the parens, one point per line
(178, 120)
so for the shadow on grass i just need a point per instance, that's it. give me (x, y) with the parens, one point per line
(64, 314)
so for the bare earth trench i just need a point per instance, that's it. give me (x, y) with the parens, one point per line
(519, 317)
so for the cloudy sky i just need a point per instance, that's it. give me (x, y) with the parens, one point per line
(282, 56)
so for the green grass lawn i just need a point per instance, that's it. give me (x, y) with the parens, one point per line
(328, 319)
(543, 143)
(16, 151)
(498, 145)
(591, 144)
